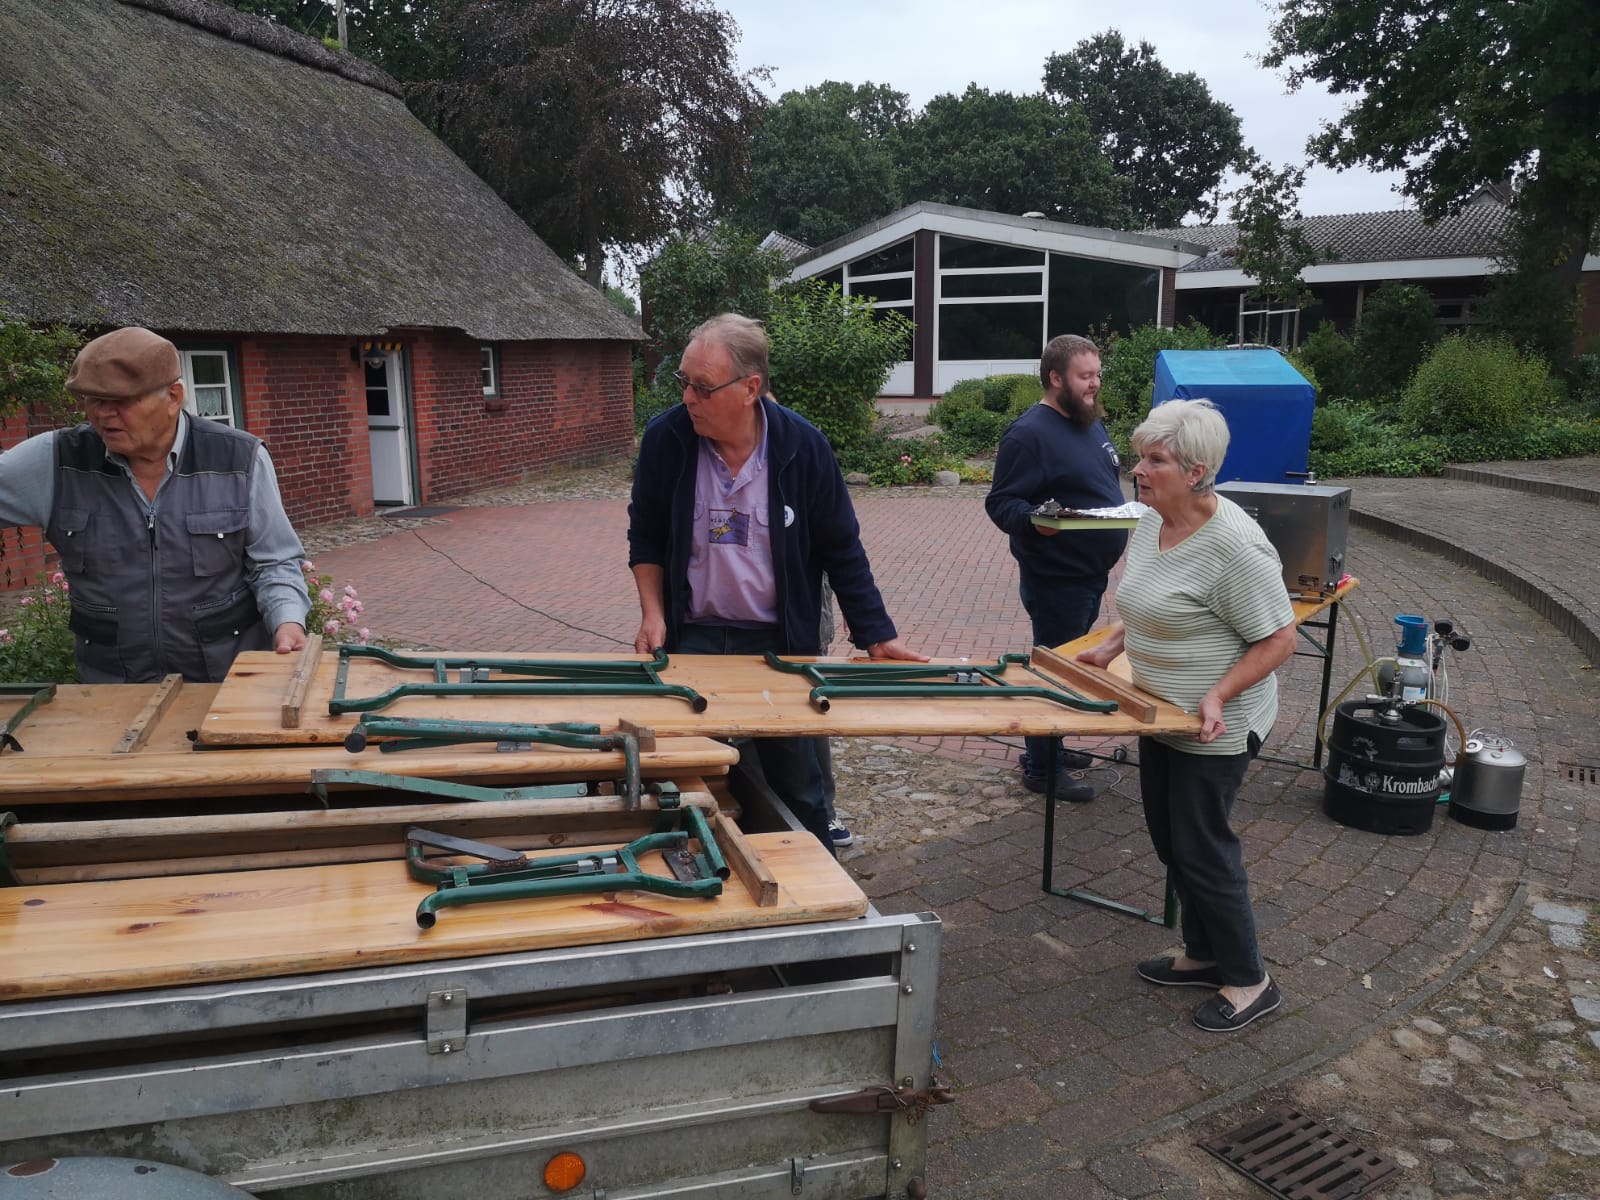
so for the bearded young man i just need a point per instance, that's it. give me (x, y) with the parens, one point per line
(1059, 450)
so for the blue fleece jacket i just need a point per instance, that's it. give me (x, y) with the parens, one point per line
(814, 529)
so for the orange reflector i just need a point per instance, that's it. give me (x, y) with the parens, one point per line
(564, 1172)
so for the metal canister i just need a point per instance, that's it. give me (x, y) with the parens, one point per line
(1488, 785)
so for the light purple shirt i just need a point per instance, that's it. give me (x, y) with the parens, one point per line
(731, 580)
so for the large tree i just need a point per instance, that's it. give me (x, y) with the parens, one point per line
(401, 36)
(1012, 154)
(1162, 132)
(602, 122)
(1460, 93)
(825, 160)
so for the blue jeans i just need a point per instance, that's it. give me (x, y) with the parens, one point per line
(1060, 611)
(789, 763)
(1187, 802)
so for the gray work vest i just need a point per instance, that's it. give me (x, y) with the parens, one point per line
(170, 595)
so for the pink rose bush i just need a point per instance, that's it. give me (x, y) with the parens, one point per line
(334, 614)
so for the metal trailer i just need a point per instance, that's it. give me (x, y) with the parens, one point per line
(692, 1067)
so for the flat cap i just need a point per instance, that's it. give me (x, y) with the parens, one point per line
(124, 362)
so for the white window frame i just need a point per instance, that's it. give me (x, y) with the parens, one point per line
(489, 366)
(230, 413)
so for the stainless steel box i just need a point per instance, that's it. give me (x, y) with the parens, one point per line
(1308, 525)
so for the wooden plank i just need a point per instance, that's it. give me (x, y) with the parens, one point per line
(83, 938)
(144, 724)
(305, 668)
(60, 851)
(745, 697)
(744, 861)
(93, 719)
(218, 779)
(1098, 685)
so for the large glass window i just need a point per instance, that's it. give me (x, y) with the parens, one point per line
(1086, 294)
(1017, 283)
(882, 289)
(210, 384)
(957, 253)
(891, 260)
(989, 331)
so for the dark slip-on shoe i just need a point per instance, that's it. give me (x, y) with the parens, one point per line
(1161, 970)
(1216, 1015)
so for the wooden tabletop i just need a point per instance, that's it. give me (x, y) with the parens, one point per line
(82, 938)
(744, 696)
(70, 753)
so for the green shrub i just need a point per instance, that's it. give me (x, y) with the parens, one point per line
(1331, 358)
(1583, 385)
(975, 412)
(1477, 385)
(1392, 452)
(830, 356)
(695, 277)
(1128, 366)
(1399, 325)
(1332, 428)
(651, 401)
(890, 462)
(35, 642)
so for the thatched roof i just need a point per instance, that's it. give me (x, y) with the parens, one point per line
(180, 165)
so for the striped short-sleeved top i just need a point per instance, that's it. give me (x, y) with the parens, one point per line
(1191, 611)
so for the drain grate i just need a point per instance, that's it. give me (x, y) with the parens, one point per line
(1579, 772)
(1296, 1158)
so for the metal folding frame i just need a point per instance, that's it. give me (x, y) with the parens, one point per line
(563, 677)
(925, 681)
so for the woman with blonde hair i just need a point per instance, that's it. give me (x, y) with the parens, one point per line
(1205, 620)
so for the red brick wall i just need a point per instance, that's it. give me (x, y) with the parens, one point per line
(305, 397)
(25, 560)
(560, 404)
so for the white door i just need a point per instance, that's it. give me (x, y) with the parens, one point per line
(388, 436)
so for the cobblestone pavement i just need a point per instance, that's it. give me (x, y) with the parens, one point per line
(1074, 1078)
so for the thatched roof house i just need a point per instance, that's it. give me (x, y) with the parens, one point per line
(273, 207)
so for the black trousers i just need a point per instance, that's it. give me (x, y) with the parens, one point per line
(1188, 799)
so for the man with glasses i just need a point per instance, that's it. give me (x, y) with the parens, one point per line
(171, 531)
(738, 511)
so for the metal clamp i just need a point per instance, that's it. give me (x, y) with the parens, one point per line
(926, 681)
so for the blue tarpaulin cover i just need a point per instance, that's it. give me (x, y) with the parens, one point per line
(1266, 402)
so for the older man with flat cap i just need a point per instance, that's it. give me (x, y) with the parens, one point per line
(170, 529)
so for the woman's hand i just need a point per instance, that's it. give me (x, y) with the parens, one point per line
(1102, 654)
(1212, 726)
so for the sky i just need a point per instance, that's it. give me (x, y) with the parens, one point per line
(928, 47)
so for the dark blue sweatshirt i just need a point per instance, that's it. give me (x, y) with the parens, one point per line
(1044, 456)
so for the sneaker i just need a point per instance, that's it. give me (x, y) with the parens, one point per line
(1074, 791)
(839, 835)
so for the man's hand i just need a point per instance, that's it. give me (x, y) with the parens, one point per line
(894, 649)
(651, 637)
(289, 637)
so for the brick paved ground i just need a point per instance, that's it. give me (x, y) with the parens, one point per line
(1060, 1053)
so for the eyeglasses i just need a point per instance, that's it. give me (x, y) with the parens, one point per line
(700, 389)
